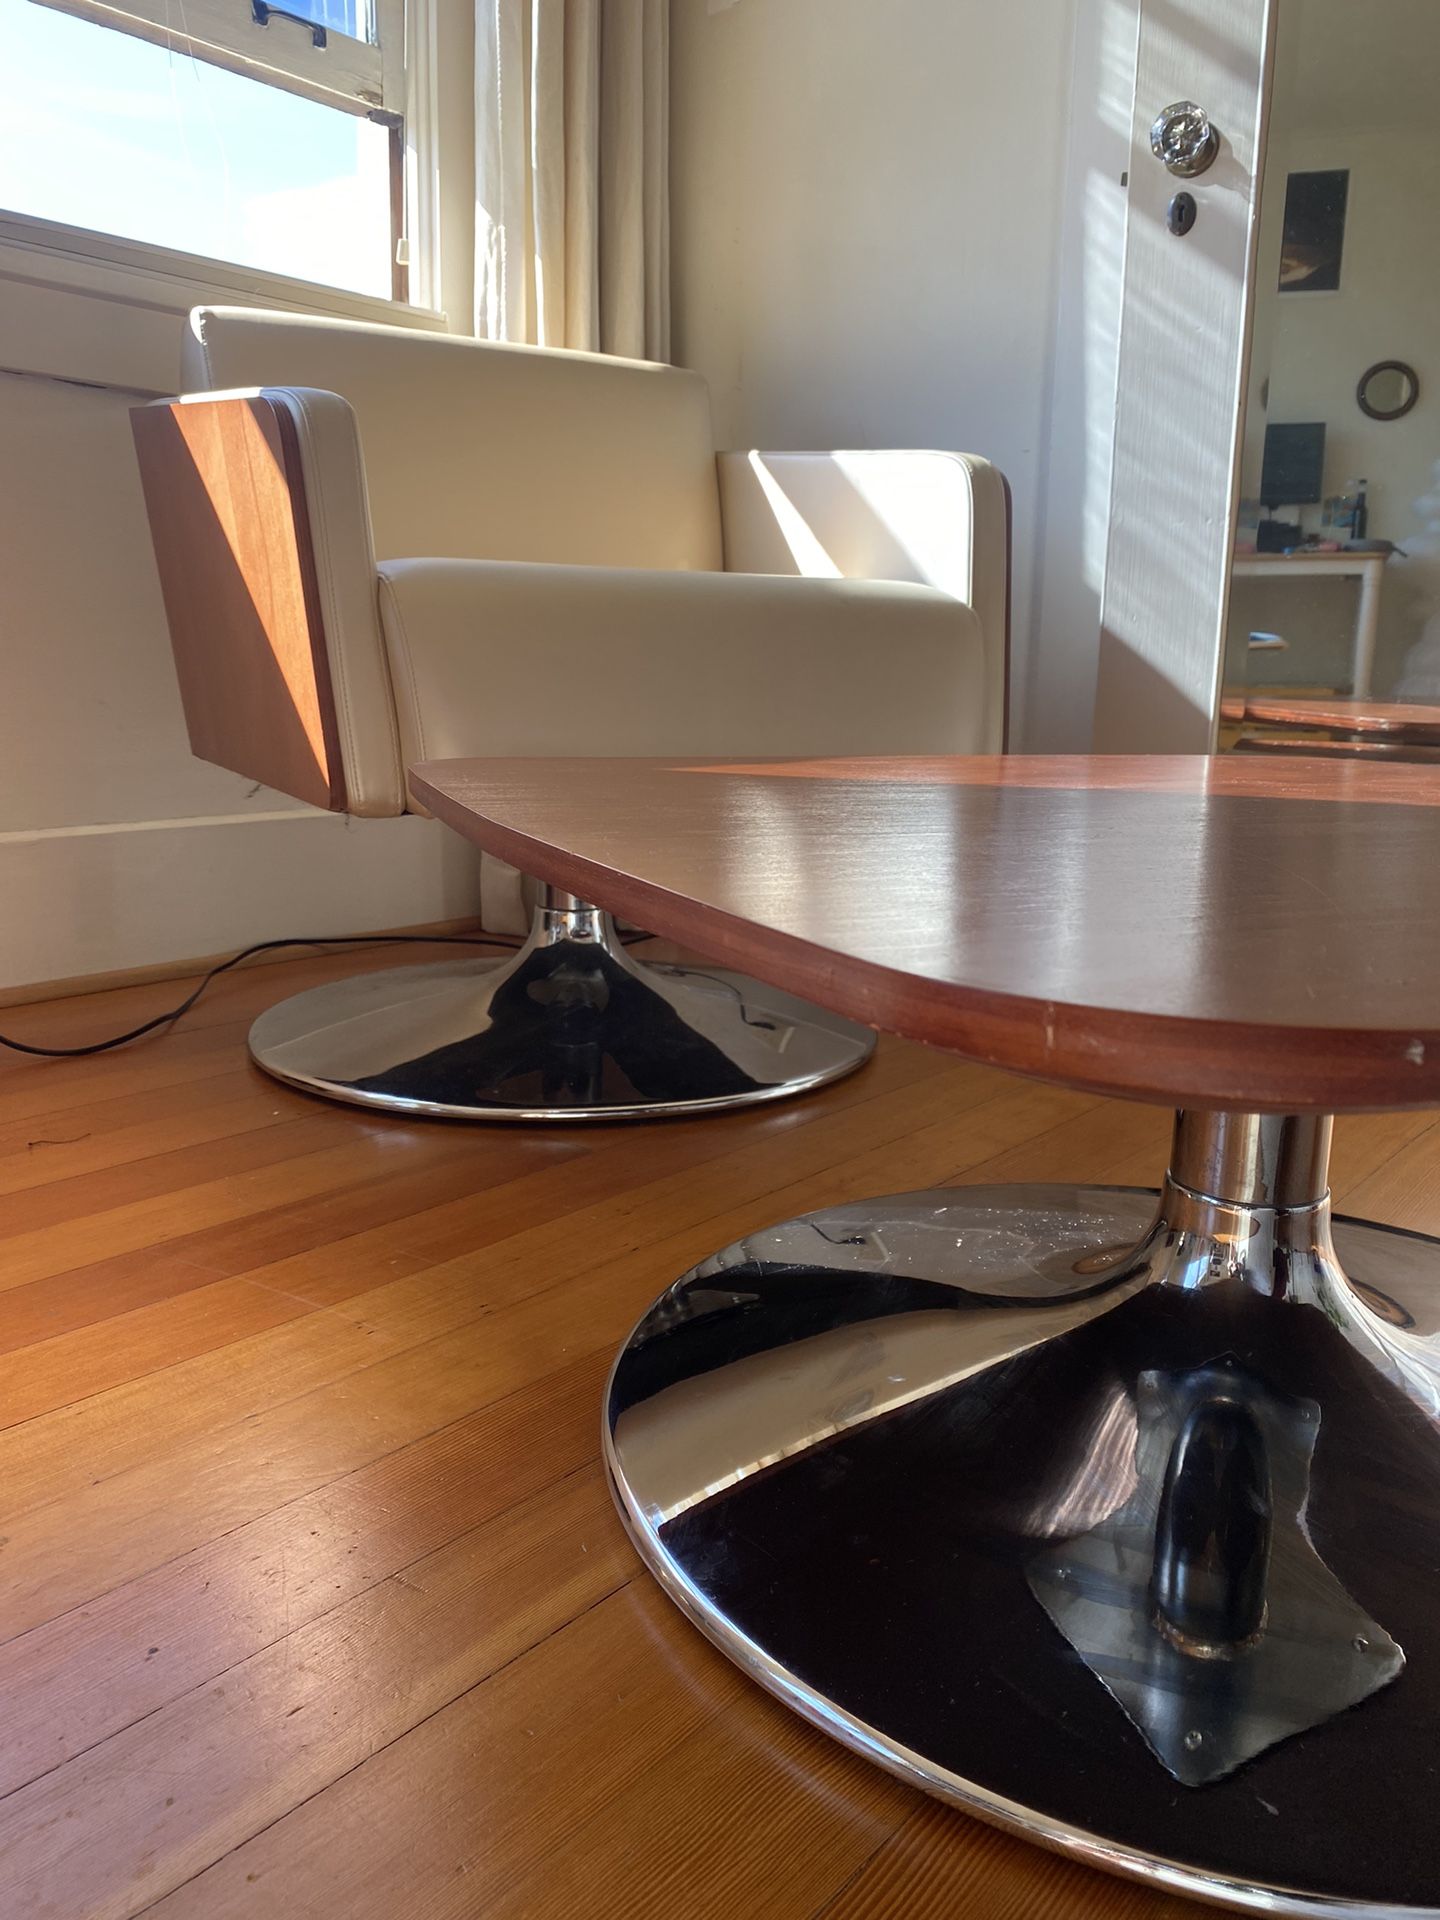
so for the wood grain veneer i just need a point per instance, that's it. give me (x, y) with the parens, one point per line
(231, 531)
(1233, 932)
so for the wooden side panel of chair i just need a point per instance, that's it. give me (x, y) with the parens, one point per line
(232, 539)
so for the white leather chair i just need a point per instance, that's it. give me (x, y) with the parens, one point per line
(379, 546)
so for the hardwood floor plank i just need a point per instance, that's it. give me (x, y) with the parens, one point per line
(312, 1600)
(939, 1863)
(141, 1143)
(779, 1818)
(38, 1128)
(177, 1177)
(472, 1164)
(119, 1282)
(333, 1155)
(551, 1202)
(611, 1166)
(57, 1087)
(507, 1314)
(1104, 1144)
(47, 1375)
(1364, 1143)
(179, 1789)
(491, 1825)
(1404, 1190)
(76, 1679)
(71, 1442)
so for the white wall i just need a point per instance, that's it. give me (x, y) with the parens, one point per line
(869, 203)
(117, 848)
(1090, 253)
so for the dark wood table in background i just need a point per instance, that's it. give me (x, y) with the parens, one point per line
(1339, 713)
(1333, 726)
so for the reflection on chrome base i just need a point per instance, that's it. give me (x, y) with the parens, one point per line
(1105, 1520)
(572, 1028)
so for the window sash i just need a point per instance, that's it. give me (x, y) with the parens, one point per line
(349, 74)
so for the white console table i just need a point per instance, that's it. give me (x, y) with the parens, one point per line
(1367, 568)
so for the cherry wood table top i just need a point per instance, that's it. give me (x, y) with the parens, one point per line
(1228, 932)
(1409, 719)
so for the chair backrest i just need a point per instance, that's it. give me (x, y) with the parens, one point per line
(476, 450)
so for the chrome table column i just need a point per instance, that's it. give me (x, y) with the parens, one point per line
(1114, 1521)
(571, 1028)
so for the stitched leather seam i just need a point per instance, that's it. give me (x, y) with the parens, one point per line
(992, 630)
(402, 633)
(382, 663)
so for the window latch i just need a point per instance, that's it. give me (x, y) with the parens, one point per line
(261, 12)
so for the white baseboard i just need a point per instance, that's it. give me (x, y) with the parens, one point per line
(85, 900)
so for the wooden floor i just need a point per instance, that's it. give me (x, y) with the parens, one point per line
(312, 1600)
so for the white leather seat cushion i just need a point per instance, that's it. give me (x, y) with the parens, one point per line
(494, 657)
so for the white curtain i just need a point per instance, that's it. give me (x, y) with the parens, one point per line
(572, 105)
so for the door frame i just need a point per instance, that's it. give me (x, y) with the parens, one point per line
(1186, 305)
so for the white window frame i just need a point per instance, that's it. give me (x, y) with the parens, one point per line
(267, 44)
(402, 71)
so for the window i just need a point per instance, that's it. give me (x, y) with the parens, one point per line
(260, 135)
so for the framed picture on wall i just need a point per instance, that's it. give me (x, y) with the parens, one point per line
(1313, 238)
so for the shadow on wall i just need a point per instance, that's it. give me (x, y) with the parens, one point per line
(1156, 704)
(1080, 423)
(1171, 503)
(918, 517)
(869, 515)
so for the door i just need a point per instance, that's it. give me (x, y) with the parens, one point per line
(1187, 287)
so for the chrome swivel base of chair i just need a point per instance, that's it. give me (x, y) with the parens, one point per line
(1113, 1523)
(570, 1028)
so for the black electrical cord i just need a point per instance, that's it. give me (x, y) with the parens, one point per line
(269, 946)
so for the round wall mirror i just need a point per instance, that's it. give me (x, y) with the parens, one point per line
(1387, 390)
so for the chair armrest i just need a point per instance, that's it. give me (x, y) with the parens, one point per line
(260, 524)
(511, 657)
(939, 519)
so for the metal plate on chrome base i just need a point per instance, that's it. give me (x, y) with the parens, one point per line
(845, 1444)
(1200, 1602)
(572, 1028)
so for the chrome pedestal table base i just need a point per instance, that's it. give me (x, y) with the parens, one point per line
(1115, 1523)
(571, 1028)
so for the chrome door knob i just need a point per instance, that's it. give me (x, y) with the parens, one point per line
(1183, 139)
